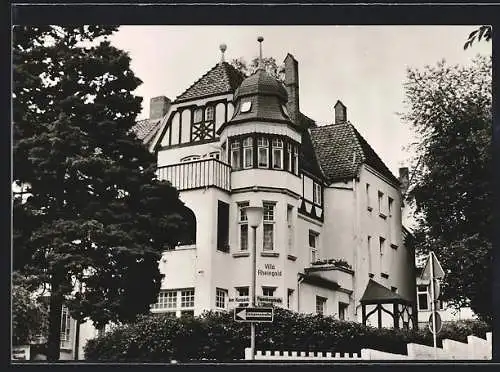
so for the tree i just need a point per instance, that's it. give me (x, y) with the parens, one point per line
(449, 108)
(29, 316)
(278, 72)
(483, 31)
(96, 218)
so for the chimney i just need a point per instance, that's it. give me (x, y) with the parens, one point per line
(404, 179)
(340, 113)
(292, 87)
(158, 107)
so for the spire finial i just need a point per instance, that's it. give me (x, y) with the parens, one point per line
(260, 39)
(222, 48)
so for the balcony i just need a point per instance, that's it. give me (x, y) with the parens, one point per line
(197, 174)
(333, 270)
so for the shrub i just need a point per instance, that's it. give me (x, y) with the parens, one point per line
(216, 336)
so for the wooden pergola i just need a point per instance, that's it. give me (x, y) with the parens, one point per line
(378, 300)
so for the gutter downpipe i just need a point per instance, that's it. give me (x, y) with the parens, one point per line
(356, 238)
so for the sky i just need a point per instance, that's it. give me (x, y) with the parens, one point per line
(363, 66)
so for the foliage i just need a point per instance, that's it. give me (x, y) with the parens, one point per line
(95, 213)
(272, 68)
(449, 108)
(333, 261)
(29, 316)
(483, 31)
(216, 336)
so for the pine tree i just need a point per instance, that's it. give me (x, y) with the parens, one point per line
(96, 218)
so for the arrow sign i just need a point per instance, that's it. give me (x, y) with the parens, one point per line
(438, 270)
(253, 314)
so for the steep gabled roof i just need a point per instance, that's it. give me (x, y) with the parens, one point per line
(146, 129)
(220, 79)
(377, 293)
(341, 150)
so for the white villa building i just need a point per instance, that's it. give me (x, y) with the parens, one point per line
(331, 239)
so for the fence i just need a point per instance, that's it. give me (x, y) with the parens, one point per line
(475, 349)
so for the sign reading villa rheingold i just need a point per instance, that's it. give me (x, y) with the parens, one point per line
(269, 270)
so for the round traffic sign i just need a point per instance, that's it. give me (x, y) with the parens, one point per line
(439, 323)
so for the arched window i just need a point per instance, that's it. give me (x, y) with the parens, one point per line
(188, 228)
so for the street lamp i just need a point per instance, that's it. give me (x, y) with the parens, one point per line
(254, 217)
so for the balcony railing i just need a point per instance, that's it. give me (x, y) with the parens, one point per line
(197, 174)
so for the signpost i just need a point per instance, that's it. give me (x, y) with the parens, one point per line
(434, 272)
(435, 318)
(254, 314)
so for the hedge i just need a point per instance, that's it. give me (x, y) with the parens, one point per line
(216, 336)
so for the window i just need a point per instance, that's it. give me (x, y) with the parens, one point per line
(209, 113)
(289, 221)
(166, 300)
(368, 200)
(223, 227)
(246, 106)
(248, 152)
(190, 158)
(381, 204)
(243, 223)
(198, 115)
(187, 234)
(220, 298)
(369, 246)
(313, 245)
(320, 305)
(296, 160)
(268, 236)
(277, 145)
(268, 291)
(65, 325)
(263, 152)
(381, 246)
(235, 155)
(423, 297)
(391, 203)
(394, 289)
(317, 193)
(243, 296)
(289, 298)
(187, 298)
(289, 152)
(342, 310)
(214, 155)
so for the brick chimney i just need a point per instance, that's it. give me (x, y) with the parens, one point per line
(292, 87)
(404, 179)
(158, 107)
(340, 113)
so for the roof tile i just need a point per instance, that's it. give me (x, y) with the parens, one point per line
(220, 79)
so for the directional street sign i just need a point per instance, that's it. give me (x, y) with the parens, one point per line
(253, 314)
(438, 270)
(439, 323)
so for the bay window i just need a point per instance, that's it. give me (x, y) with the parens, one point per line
(277, 145)
(248, 152)
(235, 155)
(263, 152)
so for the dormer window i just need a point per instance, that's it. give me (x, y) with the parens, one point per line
(209, 113)
(246, 106)
(198, 115)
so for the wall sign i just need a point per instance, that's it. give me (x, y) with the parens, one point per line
(269, 270)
